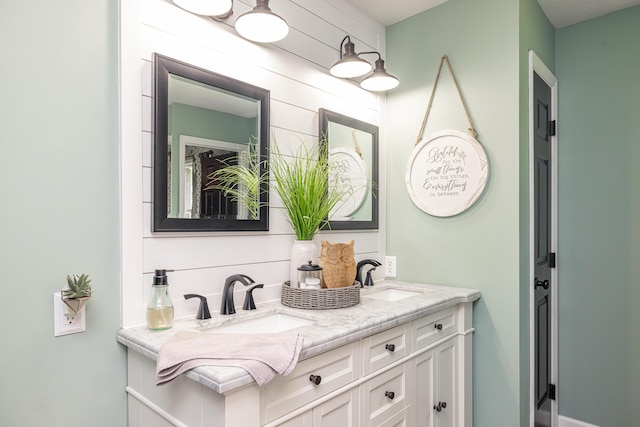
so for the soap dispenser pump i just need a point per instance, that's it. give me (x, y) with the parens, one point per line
(160, 307)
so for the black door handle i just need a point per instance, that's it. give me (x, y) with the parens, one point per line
(541, 284)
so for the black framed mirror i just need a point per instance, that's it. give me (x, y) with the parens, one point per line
(353, 146)
(204, 121)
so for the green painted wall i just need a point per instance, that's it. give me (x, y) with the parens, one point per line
(206, 123)
(59, 192)
(479, 248)
(598, 65)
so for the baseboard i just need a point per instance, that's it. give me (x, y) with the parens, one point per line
(568, 422)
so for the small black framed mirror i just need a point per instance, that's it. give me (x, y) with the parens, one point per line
(353, 147)
(204, 121)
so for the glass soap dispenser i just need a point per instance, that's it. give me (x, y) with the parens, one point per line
(160, 307)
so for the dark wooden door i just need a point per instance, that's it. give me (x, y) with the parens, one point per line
(213, 202)
(543, 257)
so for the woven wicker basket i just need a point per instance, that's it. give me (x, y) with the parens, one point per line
(320, 299)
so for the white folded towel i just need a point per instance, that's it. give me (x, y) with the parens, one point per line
(262, 356)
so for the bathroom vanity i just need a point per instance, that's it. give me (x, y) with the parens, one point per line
(402, 357)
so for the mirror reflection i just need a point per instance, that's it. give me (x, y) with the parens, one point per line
(353, 150)
(204, 122)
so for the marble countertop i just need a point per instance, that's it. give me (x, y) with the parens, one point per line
(330, 328)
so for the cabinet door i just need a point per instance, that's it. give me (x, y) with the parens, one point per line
(342, 410)
(435, 404)
(425, 384)
(445, 385)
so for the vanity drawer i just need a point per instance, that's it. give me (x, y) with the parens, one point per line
(383, 348)
(311, 379)
(434, 327)
(384, 396)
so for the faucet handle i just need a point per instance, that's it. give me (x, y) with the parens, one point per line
(249, 303)
(369, 280)
(203, 308)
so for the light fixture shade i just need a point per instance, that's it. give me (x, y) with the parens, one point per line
(379, 80)
(206, 7)
(262, 25)
(350, 65)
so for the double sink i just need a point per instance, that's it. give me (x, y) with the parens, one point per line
(280, 321)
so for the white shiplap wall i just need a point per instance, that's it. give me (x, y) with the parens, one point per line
(295, 70)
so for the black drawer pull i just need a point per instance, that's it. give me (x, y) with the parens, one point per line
(390, 347)
(438, 326)
(390, 394)
(316, 379)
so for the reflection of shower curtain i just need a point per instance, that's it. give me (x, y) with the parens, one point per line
(197, 187)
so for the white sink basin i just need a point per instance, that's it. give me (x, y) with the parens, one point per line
(391, 294)
(271, 323)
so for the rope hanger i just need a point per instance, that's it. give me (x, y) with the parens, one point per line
(435, 84)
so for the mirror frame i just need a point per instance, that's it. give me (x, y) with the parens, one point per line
(327, 116)
(163, 67)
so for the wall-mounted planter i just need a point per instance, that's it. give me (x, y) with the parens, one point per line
(76, 304)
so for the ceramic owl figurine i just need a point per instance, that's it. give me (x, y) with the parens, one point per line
(338, 264)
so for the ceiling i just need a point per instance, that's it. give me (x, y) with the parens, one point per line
(560, 12)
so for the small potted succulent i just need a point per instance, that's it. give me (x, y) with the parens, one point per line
(77, 292)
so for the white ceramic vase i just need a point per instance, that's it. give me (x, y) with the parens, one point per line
(302, 251)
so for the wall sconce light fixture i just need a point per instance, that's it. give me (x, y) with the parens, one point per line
(214, 8)
(351, 65)
(259, 25)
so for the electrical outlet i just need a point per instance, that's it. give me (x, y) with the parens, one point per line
(65, 321)
(390, 266)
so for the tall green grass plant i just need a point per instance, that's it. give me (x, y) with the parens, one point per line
(305, 183)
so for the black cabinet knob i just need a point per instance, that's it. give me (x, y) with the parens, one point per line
(390, 347)
(316, 379)
(440, 406)
(390, 394)
(438, 326)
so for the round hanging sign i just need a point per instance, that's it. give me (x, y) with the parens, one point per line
(447, 173)
(352, 172)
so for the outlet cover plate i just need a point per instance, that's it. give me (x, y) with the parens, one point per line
(390, 266)
(64, 320)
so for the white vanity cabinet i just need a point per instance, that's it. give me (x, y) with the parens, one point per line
(415, 373)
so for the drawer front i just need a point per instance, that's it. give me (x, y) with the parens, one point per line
(401, 419)
(434, 327)
(384, 396)
(381, 349)
(310, 380)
